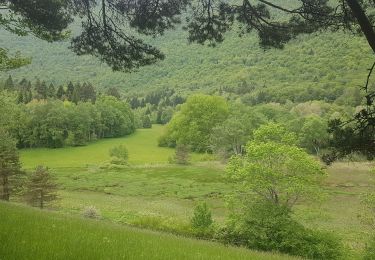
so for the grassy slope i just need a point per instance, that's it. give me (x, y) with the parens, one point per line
(31, 234)
(142, 148)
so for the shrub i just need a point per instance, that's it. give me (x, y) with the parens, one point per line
(91, 212)
(202, 222)
(269, 227)
(119, 155)
(182, 154)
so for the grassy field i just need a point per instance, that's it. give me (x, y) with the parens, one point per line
(154, 194)
(142, 146)
(31, 234)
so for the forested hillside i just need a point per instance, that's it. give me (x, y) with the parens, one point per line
(323, 64)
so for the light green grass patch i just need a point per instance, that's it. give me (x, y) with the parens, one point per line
(142, 146)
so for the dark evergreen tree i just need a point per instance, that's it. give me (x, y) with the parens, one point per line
(60, 92)
(76, 94)
(69, 91)
(9, 84)
(87, 93)
(40, 188)
(9, 164)
(51, 91)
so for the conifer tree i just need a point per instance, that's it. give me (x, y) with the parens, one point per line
(9, 163)
(40, 188)
(69, 91)
(51, 91)
(60, 92)
(9, 85)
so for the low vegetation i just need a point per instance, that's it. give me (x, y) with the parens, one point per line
(83, 239)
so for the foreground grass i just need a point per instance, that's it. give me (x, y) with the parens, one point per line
(32, 234)
(142, 145)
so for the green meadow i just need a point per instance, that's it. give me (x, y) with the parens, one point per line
(151, 193)
(142, 147)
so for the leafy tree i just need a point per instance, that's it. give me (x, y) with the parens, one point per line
(232, 135)
(117, 117)
(274, 133)
(276, 170)
(119, 154)
(9, 163)
(40, 188)
(314, 134)
(194, 123)
(8, 63)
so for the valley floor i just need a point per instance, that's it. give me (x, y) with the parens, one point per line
(153, 194)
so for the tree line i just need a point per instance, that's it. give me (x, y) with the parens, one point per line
(43, 120)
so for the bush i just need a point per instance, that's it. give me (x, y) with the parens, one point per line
(202, 222)
(182, 154)
(146, 122)
(119, 155)
(91, 212)
(269, 227)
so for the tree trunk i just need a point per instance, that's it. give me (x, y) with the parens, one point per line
(41, 199)
(5, 188)
(363, 21)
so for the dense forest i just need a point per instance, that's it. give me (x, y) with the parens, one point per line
(311, 67)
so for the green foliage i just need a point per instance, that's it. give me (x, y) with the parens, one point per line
(276, 170)
(274, 133)
(314, 134)
(40, 188)
(231, 136)
(119, 154)
(269, 227)
(194, 123)
(53, 123)
(146, 122)
(9, 63)
(202, 219)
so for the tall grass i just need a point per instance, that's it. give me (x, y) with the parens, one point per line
(32, 234)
